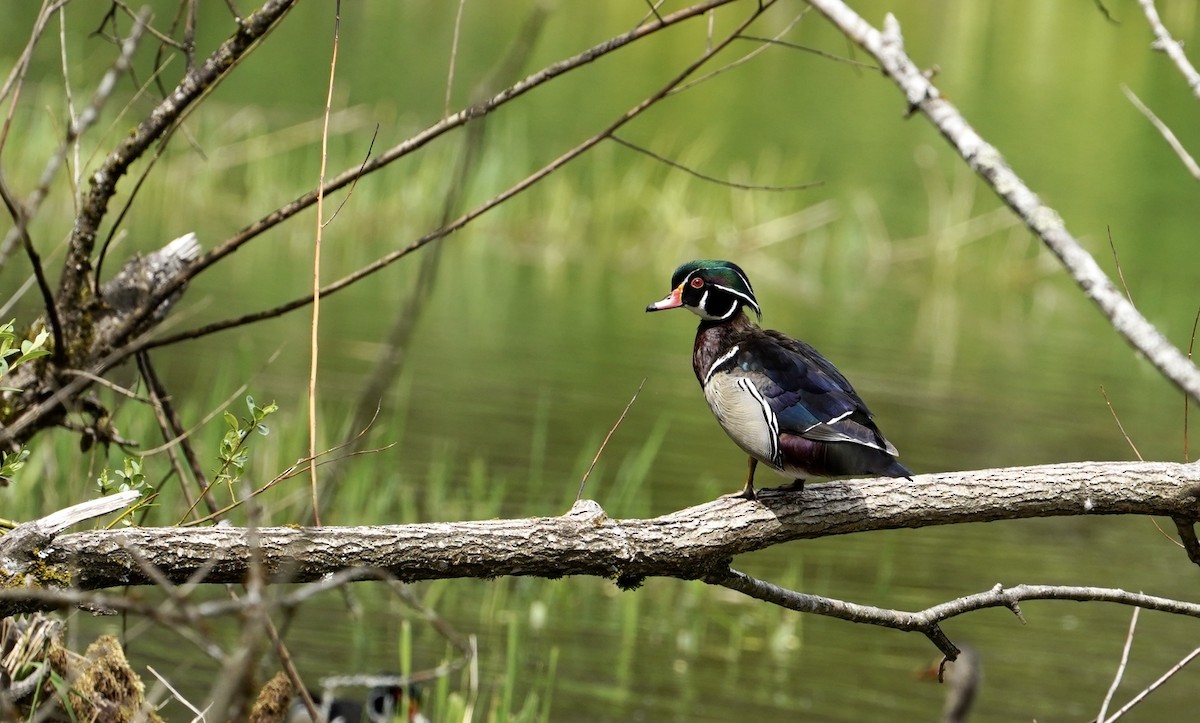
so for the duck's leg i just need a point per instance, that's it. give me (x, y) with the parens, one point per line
(748, 489)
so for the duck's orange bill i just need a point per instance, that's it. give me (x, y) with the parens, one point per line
(671, 301)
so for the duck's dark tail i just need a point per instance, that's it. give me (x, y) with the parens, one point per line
(895, 469)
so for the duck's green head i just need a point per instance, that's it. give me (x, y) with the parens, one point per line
(712, 290)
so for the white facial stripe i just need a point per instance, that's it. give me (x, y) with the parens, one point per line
(768, 416)
(720, 360)
(703, 299)
(743, 278)
(748, 299)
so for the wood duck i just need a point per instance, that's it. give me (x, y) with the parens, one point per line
(384, 704)
(782, 402)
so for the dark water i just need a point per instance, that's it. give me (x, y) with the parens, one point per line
(965, 338)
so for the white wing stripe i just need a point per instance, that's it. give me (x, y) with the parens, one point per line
(840, 417)
(768, 417)
(720, 360)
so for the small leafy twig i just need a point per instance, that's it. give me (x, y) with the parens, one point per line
(27, 350)
(20, 224)
(233, 450)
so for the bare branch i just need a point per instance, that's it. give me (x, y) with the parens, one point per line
(48, 405)
(90, 114)
(418, 141)
(697, 542)
(694, 543)
(928, 621)
(1169, 45)
(191, 88)
(1187, 536)
(887, 47)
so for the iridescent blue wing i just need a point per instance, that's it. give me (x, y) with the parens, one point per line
(808, 395)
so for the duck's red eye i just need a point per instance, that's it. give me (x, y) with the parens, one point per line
(697, 282)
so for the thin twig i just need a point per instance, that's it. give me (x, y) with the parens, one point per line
(815, 51)
(742, 60)
(1119, 425)
(1165, 131)
(582, 482)
(1117, 262)
(354, 183)
(23, 426)
(20, 224)
(1112, 689)
(414, 143)
(69, 96)
(435, 235)
(706, 177)
(175, 693)
(1104, 11)
(112, 386)
(652, 5)
(116, 228)
(173, 429)
(1154, 686)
